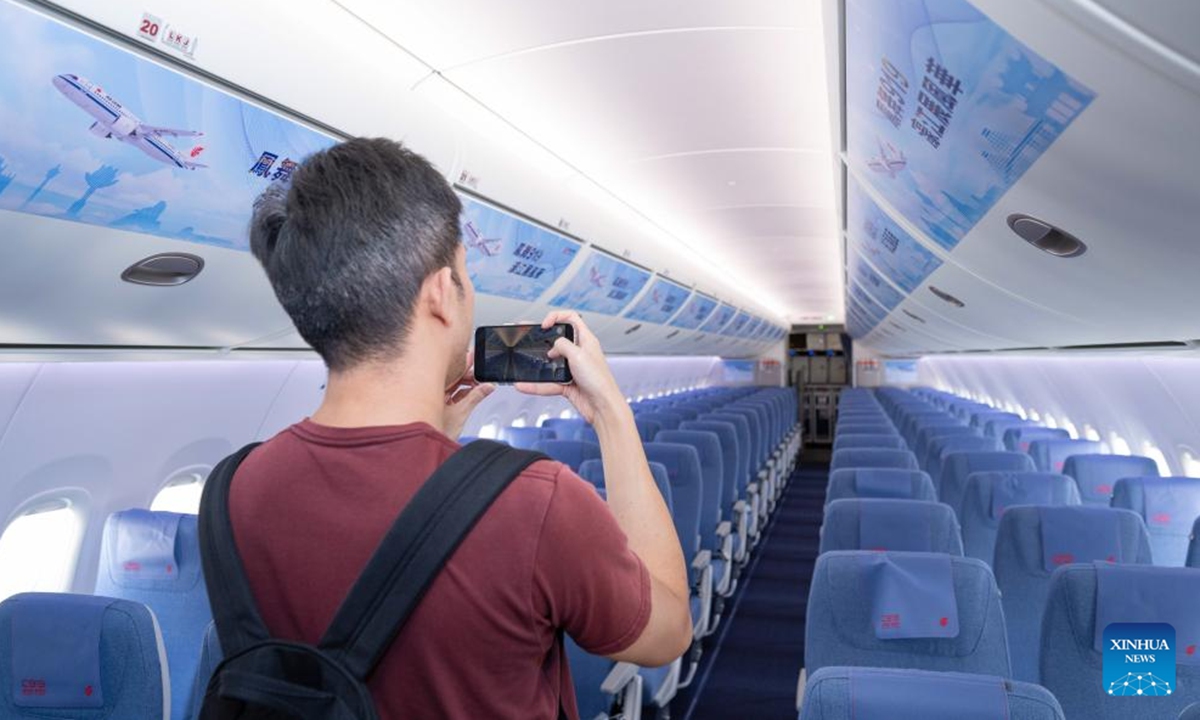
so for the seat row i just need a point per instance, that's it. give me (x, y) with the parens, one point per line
(891, 589)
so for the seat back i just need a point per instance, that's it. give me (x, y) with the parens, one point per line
(664, 419)
(571, 453)
(733, 480)
(647, 429)
(879, 483)
(682, 463)
(990, 494)
(1032, 542)
(1169, 506)
(565, 428)
(526, 437)
(864, 428)
(1021, 437)
(153, 558)
(916, 610)
(940, 447)
(996, 427)
(927, 434)
(873, 457)
(958, 466)
(885, 524)
(1193, 556)
(83, 657)
(1097, 474)
(712, 468)
(593, 472)
(853, 693)
(1052, 455)
(745, 453)
(894, 442)
(1082, 601)
(210, 657)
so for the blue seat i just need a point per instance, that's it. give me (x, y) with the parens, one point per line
(958, 466)
(665, 420)
(926, 611)
(851, 693)
(1032, 542)
(593, 472)
(526, 437)
(682, 463)
(565, 428)
(687, 412)
(940, 447)
(996, 427)
(990, 494)
(863, 428)
(1193, 556)
(154, 558)
(982, 418)
(1021, 437)
(647, 429)
(1191, 712)
(871, 457)
(571, 453)
(1169, 506)
(894, 442)
(733, 480)
(1083, 598)
(879, 483)
(1097, 474)
(928, 434)
(588, 674)
(885, 524)
(82, 657)
(210, 657)
(745, 453)
(1052, 455)
(715, 488)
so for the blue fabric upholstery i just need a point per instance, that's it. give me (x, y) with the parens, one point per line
(708, 447)
(665, 420)
(647, 429)
(982, 418)
(958, 466)
(1193, 556)
(526, 437)
(565, 428)
(733, 482)
(1071, 665)
(996, 427)
(210, 657)
(688, 413)
(1097, 474)
(154, 558)
(682, 463)
(1020, 438)
(593, 472)
(571, 453)
(939, 448)
(1169, 506)
(989, 495)
(840, 630)
(834, 693)
(844, 441)
(928, 434)
(1052, 455)
(588, 673)
(1027, 536)
(863, 428)
(745, 450)
(1191, 712)
(872, 457)
(81, 657)
(879, 483)
(882, 524)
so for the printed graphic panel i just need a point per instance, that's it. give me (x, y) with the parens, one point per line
(739, 323)
(945, 110)
(604, 284)
(662, 301)
(862, 273)
(719, 319)
(511, 257)
(874, 235)
(99, 135)
(694, 312)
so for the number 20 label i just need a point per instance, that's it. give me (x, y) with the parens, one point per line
(149, 27)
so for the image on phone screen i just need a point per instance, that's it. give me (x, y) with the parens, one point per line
(518, 353)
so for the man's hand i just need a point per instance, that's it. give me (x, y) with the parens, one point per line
(462, 397)
(594, 390)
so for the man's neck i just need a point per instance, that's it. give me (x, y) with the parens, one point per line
(392, 393)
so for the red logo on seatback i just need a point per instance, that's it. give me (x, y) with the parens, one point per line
(87, 690)
(33, 686)
(891, 621)
(1111, 558)
(1104, 489)
(1161, 518)
(878, 549)
(1059, 465)
(944, 622)
(1062, 559)
(1191, 650)
(170, 567)
(132, 566)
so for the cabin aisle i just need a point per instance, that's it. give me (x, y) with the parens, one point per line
(753, 669)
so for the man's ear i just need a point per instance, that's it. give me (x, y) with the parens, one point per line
(438, 293)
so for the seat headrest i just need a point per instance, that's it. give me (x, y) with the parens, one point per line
(56, 650)
(912, 595)
(141, 548)
(878, 693)
(1150, 594)
(1079, 535)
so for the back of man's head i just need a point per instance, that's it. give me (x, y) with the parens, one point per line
(349, 242)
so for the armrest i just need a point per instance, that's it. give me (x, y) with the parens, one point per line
(621, 675)
(702, 560)
(751, 489)
(724, 529)
(764, 474)
(740, 506)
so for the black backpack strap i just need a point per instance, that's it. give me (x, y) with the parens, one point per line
(419, 543)
(239, 624)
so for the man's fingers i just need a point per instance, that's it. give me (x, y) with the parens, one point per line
(539, 388)
(475, 395)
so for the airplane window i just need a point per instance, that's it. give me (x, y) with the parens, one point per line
(566, 414)
(1118, 445)
(1020, 411)
(39, 548)
(1191, 464)
(639, 398)
(542, 418)
(181, 494)
(1034, 416)
(1070, 428)
(1050, 421)
(1151, 451)
(489, 431)
(518, 421)
(1091, 433)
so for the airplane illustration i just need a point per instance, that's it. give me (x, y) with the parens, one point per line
(115, 122)
(889, 161)
(596, 278)
(476, 241)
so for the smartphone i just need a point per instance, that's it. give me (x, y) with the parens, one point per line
(519, 353)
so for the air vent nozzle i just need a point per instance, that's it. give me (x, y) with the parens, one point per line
(947, 297)
(164, 270)
(1045, 237)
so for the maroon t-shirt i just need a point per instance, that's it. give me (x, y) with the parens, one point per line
(310, 506)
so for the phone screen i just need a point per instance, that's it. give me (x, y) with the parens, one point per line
(518, 353)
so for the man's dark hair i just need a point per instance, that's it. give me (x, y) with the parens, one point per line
(348, 243)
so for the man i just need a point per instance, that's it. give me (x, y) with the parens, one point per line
(363, 252)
